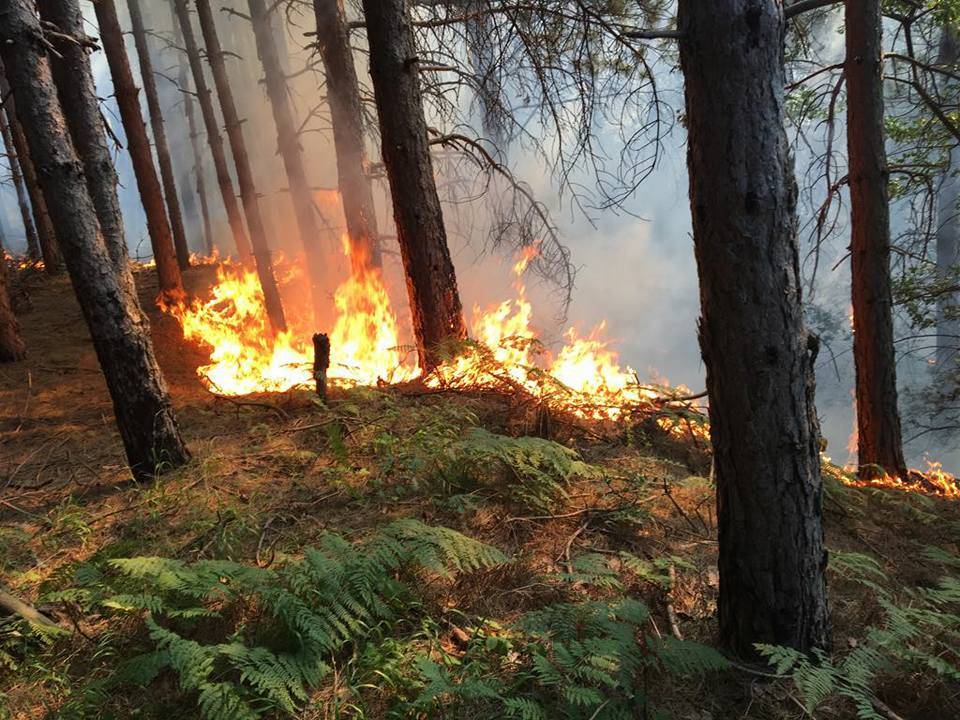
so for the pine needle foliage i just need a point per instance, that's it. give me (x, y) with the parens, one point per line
(920, 632)
(530, 471)
(277, 629)
(586, 660)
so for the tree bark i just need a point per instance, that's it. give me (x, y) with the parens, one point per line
(214, 140)
(755, 347)
(138, 144)
(78, 98)
(46, 234)
(241, 160)
(431, 281)
(12, 347)
(29, 229)
(183, 69)
(948, 235)
(120, 332)
(290, 150)
(880, 446)
(167, 176)
(346, 117)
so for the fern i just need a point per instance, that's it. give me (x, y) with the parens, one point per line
(920, 631)
(309, 610)
(530, 471)
(572, 660)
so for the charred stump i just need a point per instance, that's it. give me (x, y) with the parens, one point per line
(321, 363)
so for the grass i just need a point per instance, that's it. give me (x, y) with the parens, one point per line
(270, 478)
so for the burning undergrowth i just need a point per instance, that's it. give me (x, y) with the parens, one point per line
(583, 378)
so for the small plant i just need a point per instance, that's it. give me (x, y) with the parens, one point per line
(920, 631)
(583, 661)
(275, 631)
(530, 471)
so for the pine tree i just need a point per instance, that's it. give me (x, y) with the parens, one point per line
(435, 306)
(118, 328)
(879, 441)
(138, 144)
(763, 423)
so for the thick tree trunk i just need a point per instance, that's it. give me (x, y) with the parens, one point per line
(78, 98)
(241, 160)
(159, 135)
(431, 282)
(763, 423)
(948, 236)
(29, 229)
(290, 150)
(46, 234)
(183, 69)
(346, 117)
(12, 347)
(120, 332)
(878, 417)
(138, 144)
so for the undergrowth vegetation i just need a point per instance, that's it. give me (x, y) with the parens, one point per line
(412, 558)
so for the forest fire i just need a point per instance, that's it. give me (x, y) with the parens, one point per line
(583, 377)
(935, 481)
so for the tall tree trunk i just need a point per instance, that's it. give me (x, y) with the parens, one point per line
(120, 332)
(290, 150)
(46, 233)
(182, 70)
(78, 98)
(948, 236)
(241, 160)
(878, 417)
(159, 135)
(346, 117)
(763, 423)
(138, 144)
(12, 347)
(431, 281)
(29, 229)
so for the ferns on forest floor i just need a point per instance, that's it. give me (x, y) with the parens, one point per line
(578, 660)
(277, 629)
(920, 631)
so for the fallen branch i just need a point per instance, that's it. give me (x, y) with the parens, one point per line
(29, 613)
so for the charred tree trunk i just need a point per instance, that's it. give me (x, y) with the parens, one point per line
(183, 69)
(346, 117)
(12, 347)
(948, 236)
(290, 150)
(78, 98)
(241, 161)
(763, 423)
(29, 230)
(880, 446)
(46, 234)
(120, 332)
(159, 135)
(431, 281)
(138, 144)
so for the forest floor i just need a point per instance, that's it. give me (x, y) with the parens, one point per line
(273, 475)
